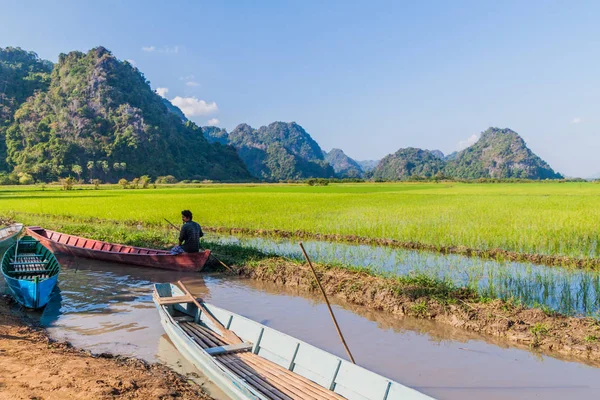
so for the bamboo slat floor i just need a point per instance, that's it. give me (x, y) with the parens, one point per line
(267, 377)
(29, 266)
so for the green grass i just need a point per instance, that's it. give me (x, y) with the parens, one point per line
(541, 218)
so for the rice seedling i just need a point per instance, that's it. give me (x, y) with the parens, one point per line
(536, 218)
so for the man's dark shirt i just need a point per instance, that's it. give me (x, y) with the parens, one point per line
(190, 236)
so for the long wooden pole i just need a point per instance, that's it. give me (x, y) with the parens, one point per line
(337, 327)
(226, 332)
(211, 254)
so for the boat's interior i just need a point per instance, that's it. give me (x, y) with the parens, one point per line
(91, 244)
(29, 260)
(267, 377)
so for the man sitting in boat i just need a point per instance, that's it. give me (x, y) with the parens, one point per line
(189, 237)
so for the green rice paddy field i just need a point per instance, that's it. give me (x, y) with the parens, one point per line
(542, 218)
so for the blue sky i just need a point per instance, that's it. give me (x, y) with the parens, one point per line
(368, 77)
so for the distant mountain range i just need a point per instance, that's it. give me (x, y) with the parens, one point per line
(409, 162)
(94, 116)
(277, 152)
(343, 165)
(368, 165)
(499, 153)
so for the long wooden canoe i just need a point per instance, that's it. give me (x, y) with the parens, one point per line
(31, 272)
(8, 235)
(267, 364)
(62, 243)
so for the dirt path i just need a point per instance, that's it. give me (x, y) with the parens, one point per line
(33, 367)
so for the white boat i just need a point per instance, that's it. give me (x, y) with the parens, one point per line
(9, 235)
(248, 360)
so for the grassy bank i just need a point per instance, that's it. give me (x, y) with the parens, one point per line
(551, 219)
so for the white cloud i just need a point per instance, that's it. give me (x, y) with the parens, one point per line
(192, 106)
(162, 91)
(187, 78)
(192, 83)
(212, 122)
(576, 120)
(463, 144)
(130, 61)
(165, 49)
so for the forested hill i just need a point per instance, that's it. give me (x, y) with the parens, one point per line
(92, 116)
(279, 151)
(344, 166)
(409, 162)
(97, 117)
(22, 73)
(499, 153)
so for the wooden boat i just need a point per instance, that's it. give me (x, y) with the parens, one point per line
(263, 363)
(8, 235)
(31, 272)
(62, 243)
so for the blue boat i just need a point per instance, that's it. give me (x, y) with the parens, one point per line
(31, 272)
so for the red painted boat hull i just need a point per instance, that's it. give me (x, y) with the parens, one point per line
(62, 243)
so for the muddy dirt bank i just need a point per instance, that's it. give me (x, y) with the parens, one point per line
(577, 338)
(34, 367)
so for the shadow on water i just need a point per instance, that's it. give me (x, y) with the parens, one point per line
(567, 291)
(108, 308)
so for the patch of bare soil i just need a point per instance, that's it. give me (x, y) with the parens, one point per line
(34, 367)
(574, 337)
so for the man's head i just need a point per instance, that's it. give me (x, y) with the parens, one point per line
(186, 215)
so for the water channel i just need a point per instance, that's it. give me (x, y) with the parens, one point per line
(568, 291)
(108, 308)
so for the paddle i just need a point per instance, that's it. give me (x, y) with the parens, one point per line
(210, 255)
(328, 305)
(224, 331)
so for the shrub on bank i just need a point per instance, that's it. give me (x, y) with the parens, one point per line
(166, 179)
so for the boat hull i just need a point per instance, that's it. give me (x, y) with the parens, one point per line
(162, 260)
(8, 236)
(31, 272)
(31, 294)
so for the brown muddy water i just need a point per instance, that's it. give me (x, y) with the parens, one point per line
(108, 308)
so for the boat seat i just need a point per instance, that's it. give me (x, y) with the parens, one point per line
(163, 301)
(38, 271)
(230, 348)
(17, 263)
(185, 318)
